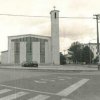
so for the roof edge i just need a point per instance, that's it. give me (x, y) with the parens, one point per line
(29, 35)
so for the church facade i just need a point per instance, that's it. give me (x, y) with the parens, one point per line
(43, 49)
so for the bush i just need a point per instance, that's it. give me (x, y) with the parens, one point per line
(62, 59)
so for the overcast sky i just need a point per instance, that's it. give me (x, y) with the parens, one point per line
(83, 30)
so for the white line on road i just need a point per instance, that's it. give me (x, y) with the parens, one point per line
(65, 77)
(61, 79)
(27, 89)
(72, 88)
(40, 97)
(52, 80)
(40, 81)
(13, 96)
(47, 80)
(44, 79)
(4, 91)
(65, 99)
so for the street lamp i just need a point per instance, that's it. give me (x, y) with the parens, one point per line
(97, 17)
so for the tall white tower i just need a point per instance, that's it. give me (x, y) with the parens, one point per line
(55, 36)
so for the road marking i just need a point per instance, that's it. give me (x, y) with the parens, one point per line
(44, 79)
(72, 88)
(13, 96)
(23, 89)
(4, 91)
(65, 99)
(40, 97)
(52, 80)
(47, 80)
(40, 81)
(61, 79)
(65, 77)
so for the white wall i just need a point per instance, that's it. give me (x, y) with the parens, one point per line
(93, 47)
(11, 57)
(47, 53)
(9, 48)
(55, 37)
(36, 51)
(94, 50)
(22, 52)
(35, 47)
(4, 57)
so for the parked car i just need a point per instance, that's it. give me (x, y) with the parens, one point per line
(30, 64)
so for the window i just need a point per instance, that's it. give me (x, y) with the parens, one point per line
(17, 47)
(28, 49)
(17, 51)
(55, 15)
(42, 51)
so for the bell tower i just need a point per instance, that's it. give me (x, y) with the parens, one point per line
(55, 36)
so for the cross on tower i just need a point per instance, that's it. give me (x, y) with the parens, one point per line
(54, 7)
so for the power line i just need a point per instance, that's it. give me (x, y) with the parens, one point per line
(20, 15)
(45, 16)
(78, 17)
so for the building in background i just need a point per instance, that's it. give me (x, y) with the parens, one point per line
(43, 49)
(93, 47)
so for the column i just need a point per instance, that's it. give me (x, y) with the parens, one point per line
(47, 53)
(36, 51)
(22, 52)
(12, 55)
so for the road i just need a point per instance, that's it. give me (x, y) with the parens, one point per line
(33, 85)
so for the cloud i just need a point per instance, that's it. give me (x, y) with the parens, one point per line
(78, 28)
(70, 29)
(84, 7)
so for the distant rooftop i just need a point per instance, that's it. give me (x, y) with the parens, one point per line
(91, 43)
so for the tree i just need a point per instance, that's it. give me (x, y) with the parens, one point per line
(80, 53)
(76, 49)
(62, 59)
(87, 55)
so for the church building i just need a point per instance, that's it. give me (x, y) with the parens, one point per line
(29, 47)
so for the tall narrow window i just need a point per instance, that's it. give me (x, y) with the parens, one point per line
(55, 15)
(17, 51)
(29, 49)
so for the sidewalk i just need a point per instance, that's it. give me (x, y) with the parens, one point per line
(56, 68)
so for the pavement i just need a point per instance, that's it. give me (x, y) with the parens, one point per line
(39, 85)
(33, 85)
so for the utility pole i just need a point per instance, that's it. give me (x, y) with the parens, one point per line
(97, 17)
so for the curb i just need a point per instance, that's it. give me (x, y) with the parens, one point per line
(50, 69)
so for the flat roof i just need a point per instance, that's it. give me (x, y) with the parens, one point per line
(4, 51)
(30, 35)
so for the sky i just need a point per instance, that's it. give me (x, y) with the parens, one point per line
(71, 30)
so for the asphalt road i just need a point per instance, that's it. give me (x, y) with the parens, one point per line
(32, 85)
